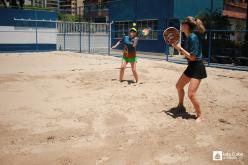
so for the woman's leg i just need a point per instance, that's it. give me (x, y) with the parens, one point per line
(193, 86)
(135, 74)
(183, 80)
(122, 70)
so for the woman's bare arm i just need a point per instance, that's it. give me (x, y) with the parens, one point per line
(117, 44)
(190, 57)
(135, 42)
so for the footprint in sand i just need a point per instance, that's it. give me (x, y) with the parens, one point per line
(65, 161)
(102, 160)
(181, 149)
(144, 71)
(171, 158)
(50, 124)
(51, 138)
(204, 140)
(224, 121)
(58, 109)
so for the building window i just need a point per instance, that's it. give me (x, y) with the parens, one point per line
(122, 28)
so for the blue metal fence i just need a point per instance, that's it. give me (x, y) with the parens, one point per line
(70, 36)
(221, 48)
(226, 49)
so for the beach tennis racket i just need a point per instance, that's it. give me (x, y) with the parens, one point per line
(171, 35)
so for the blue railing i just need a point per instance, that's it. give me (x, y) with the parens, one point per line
(221, 48)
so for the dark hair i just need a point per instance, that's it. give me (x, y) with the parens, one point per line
(194, 24)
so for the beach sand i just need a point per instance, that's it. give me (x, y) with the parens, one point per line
(64, 108)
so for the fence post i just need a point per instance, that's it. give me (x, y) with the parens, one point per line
(89, 37)
(64, 34)
(36, 36)
(167, 54)
(167, 47)
(80, 40)
(109, 38)
(36, 32)
(209, 47)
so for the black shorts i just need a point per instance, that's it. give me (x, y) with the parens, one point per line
(196, 69)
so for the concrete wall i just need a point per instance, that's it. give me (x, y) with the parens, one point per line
(21, 36)
(27, 35)
(24, 38)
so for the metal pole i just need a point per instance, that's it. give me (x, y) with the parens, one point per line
(246, 33)
(166, 46)
(80, 40)
(209, 47)
(36, 36)
(210, 34)
(180, 38)
(135, 10)
(167, 56)
(89, 37)
(36, 33)
(212, 6)
(109, 38)
(64, 34)
(58, 5)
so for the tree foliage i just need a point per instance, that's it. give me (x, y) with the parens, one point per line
(69, 17)
(214, 20)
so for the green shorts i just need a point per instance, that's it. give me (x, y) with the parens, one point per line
(131, 60)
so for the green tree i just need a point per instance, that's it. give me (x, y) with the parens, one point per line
(214, 20)
(68, 17)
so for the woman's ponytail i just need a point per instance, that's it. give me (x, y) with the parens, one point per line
(199, 26)
(195, 24)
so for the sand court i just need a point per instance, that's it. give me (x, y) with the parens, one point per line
(65, 108)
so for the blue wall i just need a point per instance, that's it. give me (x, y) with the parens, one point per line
(27, 47)
(143, 9)
(167, 12)
(7, 19)
(128, 10)
(183, 8)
